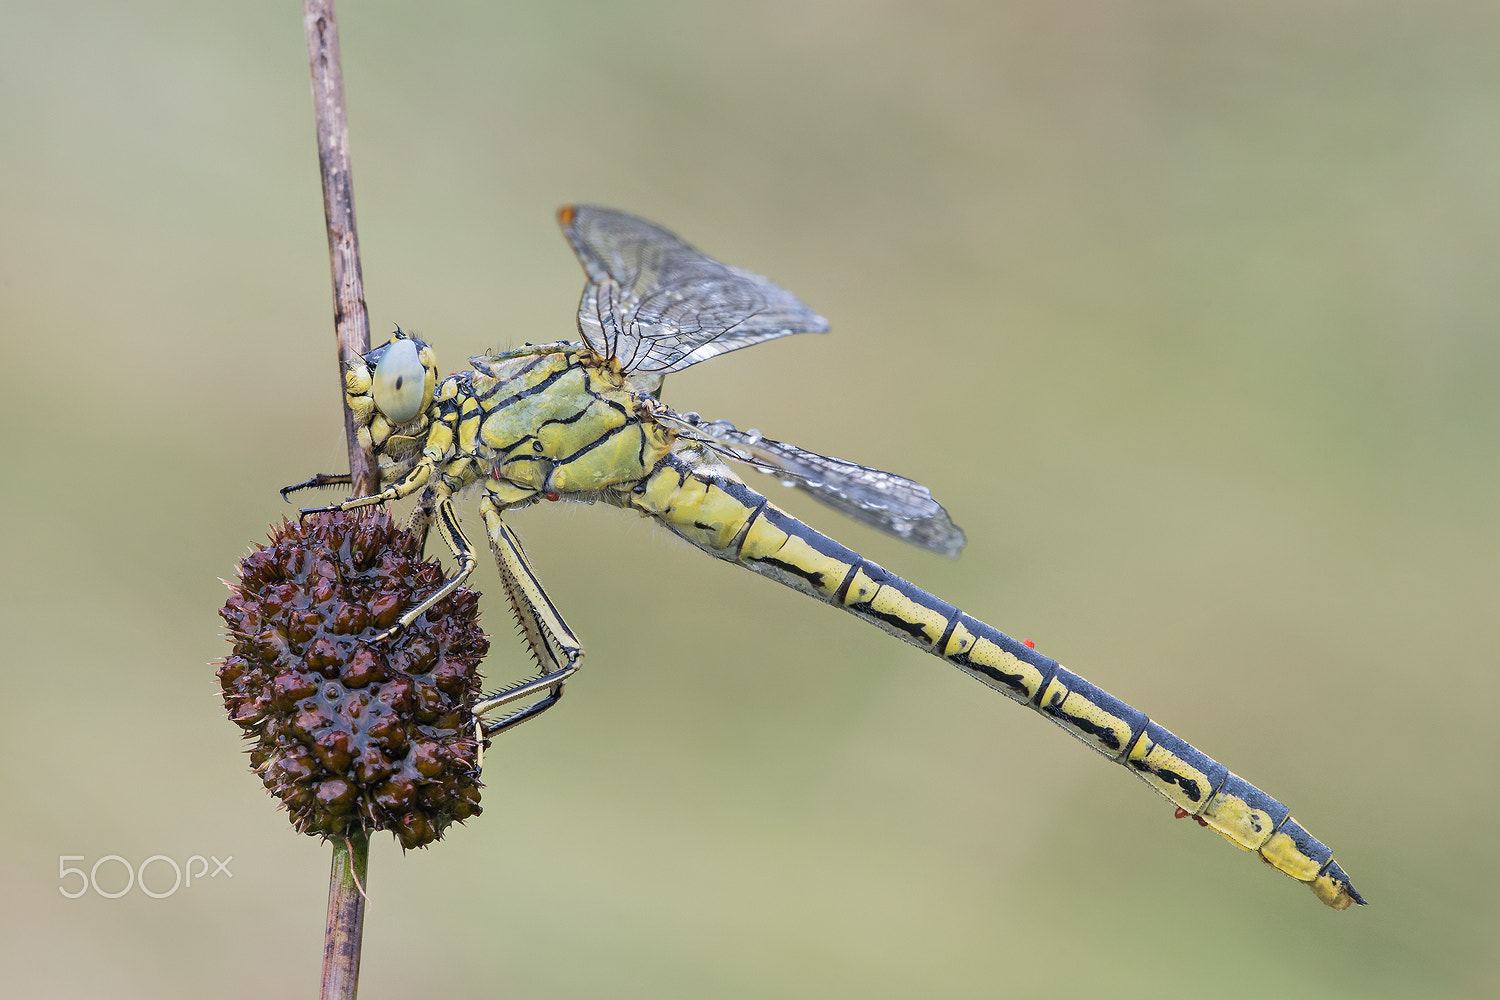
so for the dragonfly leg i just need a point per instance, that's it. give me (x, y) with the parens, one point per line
(438, 505)
(321, 479)
(552, 643)
(420, 521)
(403, 487)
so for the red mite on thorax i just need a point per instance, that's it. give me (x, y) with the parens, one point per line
(495, 473)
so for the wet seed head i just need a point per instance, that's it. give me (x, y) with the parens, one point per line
(352, 735)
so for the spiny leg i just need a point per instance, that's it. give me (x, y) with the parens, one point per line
(320, 480)
(420, 521)
(553, 644)
(401, 488)
(437, 503)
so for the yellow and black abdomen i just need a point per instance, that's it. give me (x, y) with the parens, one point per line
(713, 509)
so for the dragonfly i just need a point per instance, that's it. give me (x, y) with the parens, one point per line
(582, 421)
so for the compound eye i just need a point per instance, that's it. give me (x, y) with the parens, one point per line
(400, 382)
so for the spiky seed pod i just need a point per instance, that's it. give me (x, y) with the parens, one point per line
(354, 735)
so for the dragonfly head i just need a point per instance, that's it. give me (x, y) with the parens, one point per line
(390, 390)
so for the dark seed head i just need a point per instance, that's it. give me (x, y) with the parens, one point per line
(353, 735)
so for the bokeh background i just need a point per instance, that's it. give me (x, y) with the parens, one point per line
(1186, 314)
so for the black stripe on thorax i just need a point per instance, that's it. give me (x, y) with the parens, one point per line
(491, 404)
(597, 442)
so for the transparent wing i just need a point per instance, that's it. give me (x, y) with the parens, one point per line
(883, 500)
(658, 305)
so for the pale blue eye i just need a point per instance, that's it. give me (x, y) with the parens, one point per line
(400, 382)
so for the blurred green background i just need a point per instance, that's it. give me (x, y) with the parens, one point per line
(1186, 314)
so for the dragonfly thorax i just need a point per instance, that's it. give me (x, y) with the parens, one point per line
(561, 422)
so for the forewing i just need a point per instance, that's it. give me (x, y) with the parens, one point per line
(896, 505)
(658, 305)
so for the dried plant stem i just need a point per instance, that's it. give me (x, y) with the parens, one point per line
(351, 321)
(344, 931)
